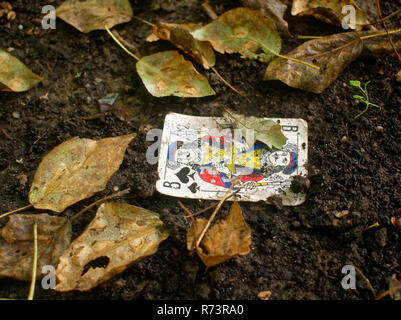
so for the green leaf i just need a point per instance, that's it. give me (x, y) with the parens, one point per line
(14, 75)
(243, 31)
(88, 15)
(355, 83)
(167, 73)
(266, 131)
(358, 97)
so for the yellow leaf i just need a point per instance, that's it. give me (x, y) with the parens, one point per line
(75, 170)
(225, 240)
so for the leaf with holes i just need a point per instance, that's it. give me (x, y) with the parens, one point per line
(329, 11)
(14, 75)
(167, 73)
(332, 54)
(227, 239)
(75, 170)
(267, 131)
(16, 243)
(180, 36)
(118, 236)
(273, 9)
(244, 31)
(88, 15)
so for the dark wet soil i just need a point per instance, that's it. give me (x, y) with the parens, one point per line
(297, 252)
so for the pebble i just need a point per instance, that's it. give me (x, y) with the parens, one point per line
(264, 295)
(379, 129)
(16, 115)
(21, 27)
(344, 139)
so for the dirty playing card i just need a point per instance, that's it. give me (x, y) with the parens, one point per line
(200, 156)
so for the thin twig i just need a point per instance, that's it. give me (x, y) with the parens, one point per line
(144, 21)
(227, 83)
(366, 280)
(379, 10)
(115, 195)
(120, 44)
(203, 210)
(15, 211)
(34, 262)
(126, 43)
(383, 295)
(233, 183)
(209, 10)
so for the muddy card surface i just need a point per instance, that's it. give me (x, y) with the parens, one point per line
(200, 156)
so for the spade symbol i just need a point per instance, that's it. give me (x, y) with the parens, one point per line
(183, 175)
(193, 187)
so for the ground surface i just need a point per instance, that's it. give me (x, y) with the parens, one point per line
(297, 253)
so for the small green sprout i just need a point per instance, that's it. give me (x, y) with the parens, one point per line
(77, 75)
(365, 99)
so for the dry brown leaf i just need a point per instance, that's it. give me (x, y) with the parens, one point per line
(395, 289)
(398, 76)
(75, 170)
(14, 75)
(225, 240)
(16, 243)
(380, 46)
(329, 11)
(332, 54)
(274, 9)
(180, 36)
(88, 15)
(121, 234)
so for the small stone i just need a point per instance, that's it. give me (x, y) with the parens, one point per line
(20, 27)
(344, 139)
(264, 295)
(296, 224)
(116, 189)
(379, 129)
(16, 115)
(340, 214)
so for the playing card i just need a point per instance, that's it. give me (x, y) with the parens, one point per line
(200, 156)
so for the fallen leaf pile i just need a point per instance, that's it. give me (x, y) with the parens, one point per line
(252, 31)
(121, 233)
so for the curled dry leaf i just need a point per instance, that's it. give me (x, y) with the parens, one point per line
(267, 131)
(332, 54)
(244, 31)
(167, 73)
(329, 11)
(121, 234)
(180, 36)
(273, 9)
(225, 240)
(16, 243)
(14, 75)
(380, 46)
(75, 170)
(88, 15)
